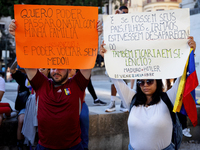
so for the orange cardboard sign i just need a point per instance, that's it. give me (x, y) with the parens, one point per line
(63, 37)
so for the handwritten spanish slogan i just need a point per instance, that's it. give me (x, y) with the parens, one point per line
(56, 36)
(146, 45)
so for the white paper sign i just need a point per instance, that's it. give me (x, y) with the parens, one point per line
(150, 45)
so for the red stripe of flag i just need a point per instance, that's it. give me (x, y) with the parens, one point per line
(191, 83)
(190, 108)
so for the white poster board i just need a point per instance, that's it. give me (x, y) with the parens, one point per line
(149, 45)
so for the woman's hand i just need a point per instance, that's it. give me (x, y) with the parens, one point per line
(118, 11)
(99, 27)
(102, 49)
(12, 27)
(192, 43)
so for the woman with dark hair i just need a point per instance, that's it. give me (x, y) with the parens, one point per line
(149, 123)
(141, 98)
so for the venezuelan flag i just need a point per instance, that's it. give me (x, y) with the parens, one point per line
(185, 101)
(67, 91)
(198, 101)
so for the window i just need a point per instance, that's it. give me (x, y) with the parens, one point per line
(173, 0)
(148, 1)
(125, 2)
(159, 9)
(160, 0)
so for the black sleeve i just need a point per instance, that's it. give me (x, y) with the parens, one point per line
(19, 77)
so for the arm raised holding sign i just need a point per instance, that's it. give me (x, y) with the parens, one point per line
(59, 104)
(30, 72)
(149, 115)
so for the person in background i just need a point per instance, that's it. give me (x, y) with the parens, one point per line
(21, 79)
(3, 69)
(96, 100)
(122, 10)
(111, 107)
(30, 123)
(5, 109)
(8, 75)
(183, 121)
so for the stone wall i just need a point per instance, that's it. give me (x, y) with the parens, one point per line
(108, 131)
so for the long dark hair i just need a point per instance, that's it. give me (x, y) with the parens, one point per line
(141, 97)
(123, 7)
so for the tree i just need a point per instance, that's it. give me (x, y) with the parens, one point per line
(7, 6)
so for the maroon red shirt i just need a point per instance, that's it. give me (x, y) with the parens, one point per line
(58, 110)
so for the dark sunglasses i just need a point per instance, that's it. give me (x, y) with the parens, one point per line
(148, 82)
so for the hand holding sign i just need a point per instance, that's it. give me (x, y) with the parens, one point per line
(102, 49)
(99, 27)
(12, 28)
(192, 43)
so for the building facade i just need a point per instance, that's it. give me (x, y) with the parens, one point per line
(159, 5)
(143, 5)
(188, 3)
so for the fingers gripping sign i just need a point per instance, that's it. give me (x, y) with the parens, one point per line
(12, 27)
(102, 49)
(192, 43)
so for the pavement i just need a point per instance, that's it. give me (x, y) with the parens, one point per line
(102, 86)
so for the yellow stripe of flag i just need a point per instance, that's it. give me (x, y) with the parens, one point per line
(65, 92)
(179, 95)
(198, 101)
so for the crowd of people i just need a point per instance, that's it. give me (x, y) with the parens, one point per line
(56, 106)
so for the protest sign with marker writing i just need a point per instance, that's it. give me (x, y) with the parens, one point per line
(147, 45)
(56, 36)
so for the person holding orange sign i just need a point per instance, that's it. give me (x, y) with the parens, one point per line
(59, 105)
